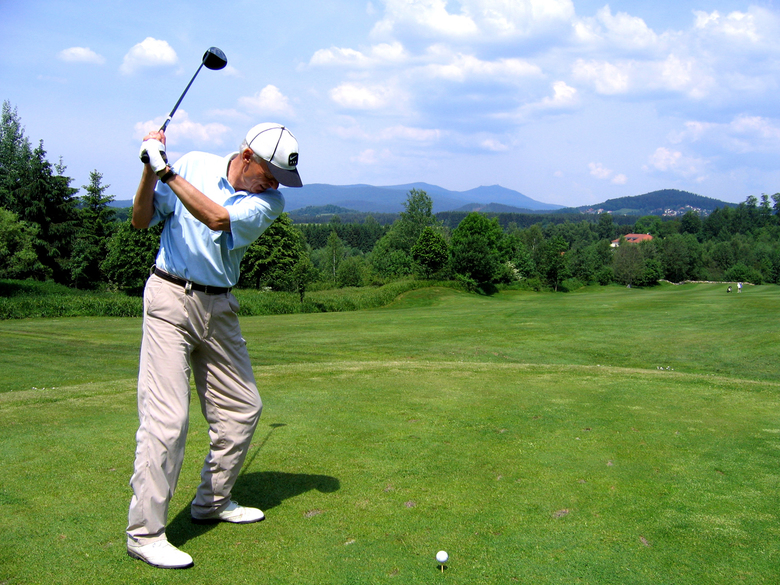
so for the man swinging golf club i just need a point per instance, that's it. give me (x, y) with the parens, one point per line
(213, 208)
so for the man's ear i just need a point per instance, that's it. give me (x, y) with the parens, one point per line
(246, 155)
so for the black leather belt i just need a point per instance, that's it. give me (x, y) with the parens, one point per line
(187, 284)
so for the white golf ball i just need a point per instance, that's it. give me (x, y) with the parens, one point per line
(442, 556)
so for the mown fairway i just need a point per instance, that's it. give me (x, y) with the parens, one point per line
(532, 436)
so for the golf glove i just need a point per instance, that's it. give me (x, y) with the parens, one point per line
(153, 152)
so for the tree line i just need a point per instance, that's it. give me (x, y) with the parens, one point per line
(48, 231)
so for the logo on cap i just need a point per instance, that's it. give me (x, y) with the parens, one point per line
(292, 161)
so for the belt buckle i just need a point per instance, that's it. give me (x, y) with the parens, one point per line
(188, 287)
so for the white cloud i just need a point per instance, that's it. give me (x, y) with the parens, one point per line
(231, 71)
(672, 161)
(371, 157)
(354, 132)
(183, 129)
(744, 134)
(148, 53)
(493, 145)
(427, 17)
(362, 97)
(606, 78)
(377, 55)
(407, 133)
(620, 179)
(619, 30)
(482, 20)
(600, 172)
(268, 100)
(563, 96)
(519, 18)
(673, 74)
(81, 55)
(740, 26)
(463, 67)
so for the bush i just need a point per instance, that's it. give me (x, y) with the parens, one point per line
(351, 272)
(605, 276)
(570, 284)
(534, 284)
(741, 273)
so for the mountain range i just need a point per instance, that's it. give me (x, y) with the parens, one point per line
(663, 202)
(391, 199)
(490, 199)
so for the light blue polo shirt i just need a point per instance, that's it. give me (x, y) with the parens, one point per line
(188, 248)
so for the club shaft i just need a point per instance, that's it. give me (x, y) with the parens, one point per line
(173, 111)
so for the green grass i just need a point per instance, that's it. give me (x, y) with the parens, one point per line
(31, 299)
(530, 435)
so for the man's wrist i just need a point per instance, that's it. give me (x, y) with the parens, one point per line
(166, 174)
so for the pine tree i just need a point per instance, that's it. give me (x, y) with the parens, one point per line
(96, 220)
(430, 252)
(131, 253)
(46, 198)
(271, 259)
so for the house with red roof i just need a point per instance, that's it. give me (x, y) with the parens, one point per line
(632, 239)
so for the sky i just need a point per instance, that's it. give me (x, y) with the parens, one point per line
(571, 102)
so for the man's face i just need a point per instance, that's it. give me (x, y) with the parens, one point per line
(255, 176)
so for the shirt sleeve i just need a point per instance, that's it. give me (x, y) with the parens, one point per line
(251, 215)
(165, 199)
(164, 203)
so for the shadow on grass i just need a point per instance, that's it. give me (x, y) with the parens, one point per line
(263, 489)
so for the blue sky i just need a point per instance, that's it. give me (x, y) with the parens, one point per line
(567, 101)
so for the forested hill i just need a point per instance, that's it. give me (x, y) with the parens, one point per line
(659, 203)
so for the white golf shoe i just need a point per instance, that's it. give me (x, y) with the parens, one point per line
(160, 553)
(235, 514)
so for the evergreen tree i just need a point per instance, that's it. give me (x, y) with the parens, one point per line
(17, 251)
(303, 273)
(46, 198)
(96, 220)
(351, 272)
(131, 254)
(475, 248)
(335, 253)
(606, 228)
(553, 265)
(270, 260)
(393, 253)
(690, 223)
(430, 252)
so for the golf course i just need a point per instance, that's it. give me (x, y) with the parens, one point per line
(610, 435)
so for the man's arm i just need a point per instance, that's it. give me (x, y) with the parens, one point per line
(210, 213)
(204, 209)
(143, 204)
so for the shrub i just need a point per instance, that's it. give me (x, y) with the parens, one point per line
(741, 273)
(570, 284)
(605, 276)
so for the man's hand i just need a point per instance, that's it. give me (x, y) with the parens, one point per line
(153, 153)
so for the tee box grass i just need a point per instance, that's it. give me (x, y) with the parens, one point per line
(604, 436)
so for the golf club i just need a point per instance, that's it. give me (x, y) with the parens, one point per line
(213, 59)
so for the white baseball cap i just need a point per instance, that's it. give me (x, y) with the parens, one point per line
(276, 145)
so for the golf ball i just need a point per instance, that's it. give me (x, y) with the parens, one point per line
(442, 556)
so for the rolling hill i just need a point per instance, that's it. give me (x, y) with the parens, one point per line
(391, 199)
(341, 199)
(663, 202)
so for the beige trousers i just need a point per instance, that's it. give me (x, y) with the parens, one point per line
(183, 332)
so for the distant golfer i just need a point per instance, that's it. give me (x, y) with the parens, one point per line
(739, 287)
(213, 207)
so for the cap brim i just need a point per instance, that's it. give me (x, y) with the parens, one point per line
(285, 177)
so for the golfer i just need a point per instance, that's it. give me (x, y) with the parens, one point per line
(213, 208)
